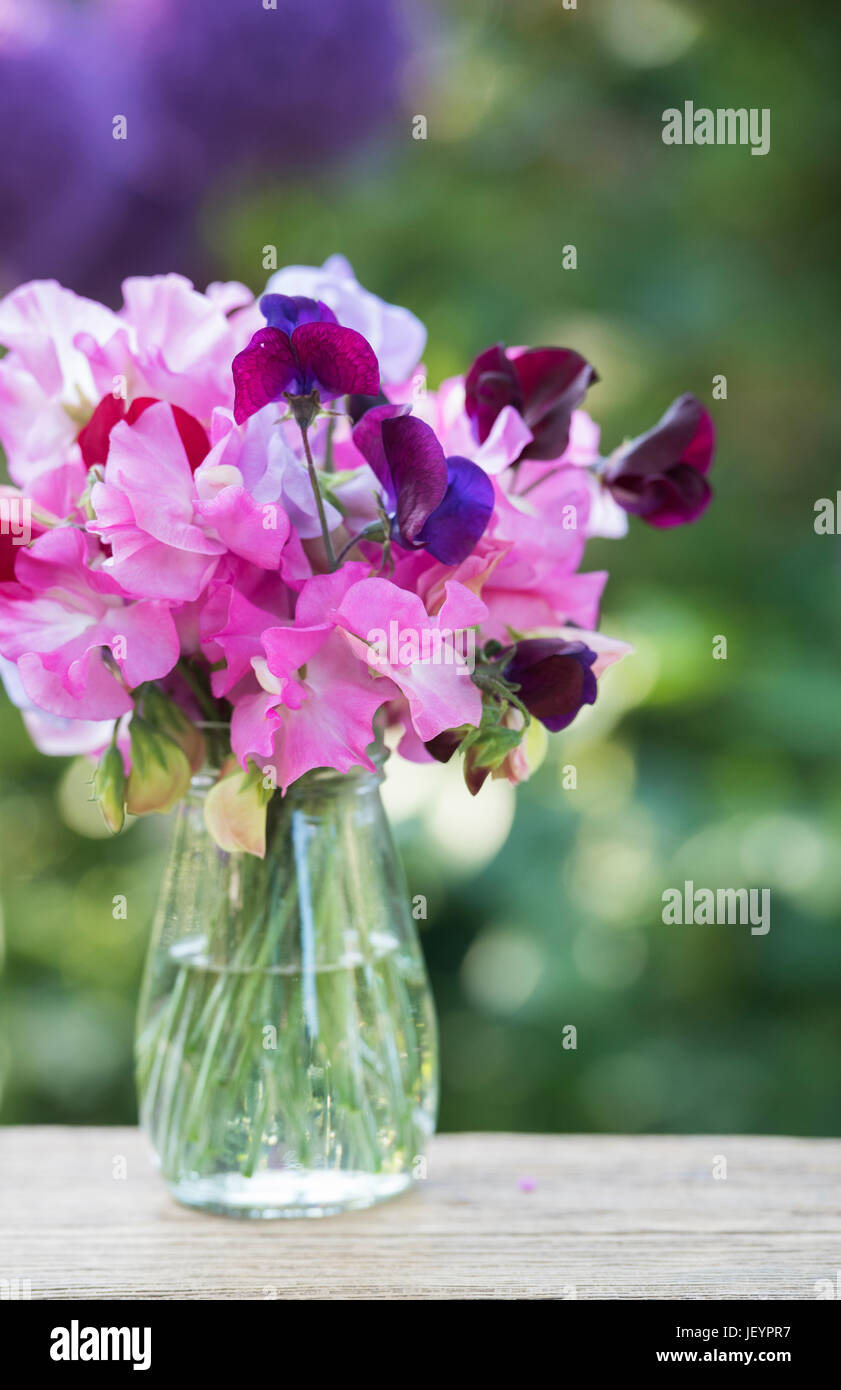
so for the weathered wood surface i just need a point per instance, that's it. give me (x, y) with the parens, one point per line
(608, 1217)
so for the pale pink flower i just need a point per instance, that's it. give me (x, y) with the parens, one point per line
(66, 353)
(168, 529)
(437, 686)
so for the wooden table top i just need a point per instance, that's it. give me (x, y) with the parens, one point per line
(499, 1216)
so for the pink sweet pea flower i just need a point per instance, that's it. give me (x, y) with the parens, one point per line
(168, 530)
(231, 627)
(293, 721)
(47, 385)
(53, 735)
(66, 353)
(60, 614)
(174, 343)
(271, 465)
(389, 625)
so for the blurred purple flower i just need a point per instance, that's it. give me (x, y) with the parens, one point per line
(53, 194)
(212, 95)
(235, 87)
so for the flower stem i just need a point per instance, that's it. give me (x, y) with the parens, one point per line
(205, 700)
(319, 500)
(328, 445)
(524, 492)
(373, 532)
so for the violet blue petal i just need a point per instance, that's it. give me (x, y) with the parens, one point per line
(287, 311)
(454, 529)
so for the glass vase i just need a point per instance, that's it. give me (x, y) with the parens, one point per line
(286, 1042)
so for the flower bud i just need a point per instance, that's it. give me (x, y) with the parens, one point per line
(160, 770)
(522, 761)
(235, 810)
(487, 752)
(109, 787)
(164, 714)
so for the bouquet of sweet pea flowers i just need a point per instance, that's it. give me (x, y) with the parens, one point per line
(245, 533)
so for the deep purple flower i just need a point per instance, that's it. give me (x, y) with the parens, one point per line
(442, 504)
(301, 349)
(660, 475)
(555, 679)
(544, 385)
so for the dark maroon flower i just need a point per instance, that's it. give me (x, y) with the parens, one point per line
(442, 504)
(544, 385)
(485, 750)
(301, 350)
(356, 406)
(95, 438)
(660, 476)
(444, 745)
(554, 677)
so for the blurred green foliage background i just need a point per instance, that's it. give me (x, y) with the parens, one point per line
(544, 129)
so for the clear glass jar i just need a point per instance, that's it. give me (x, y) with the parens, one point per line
(286, 1043)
